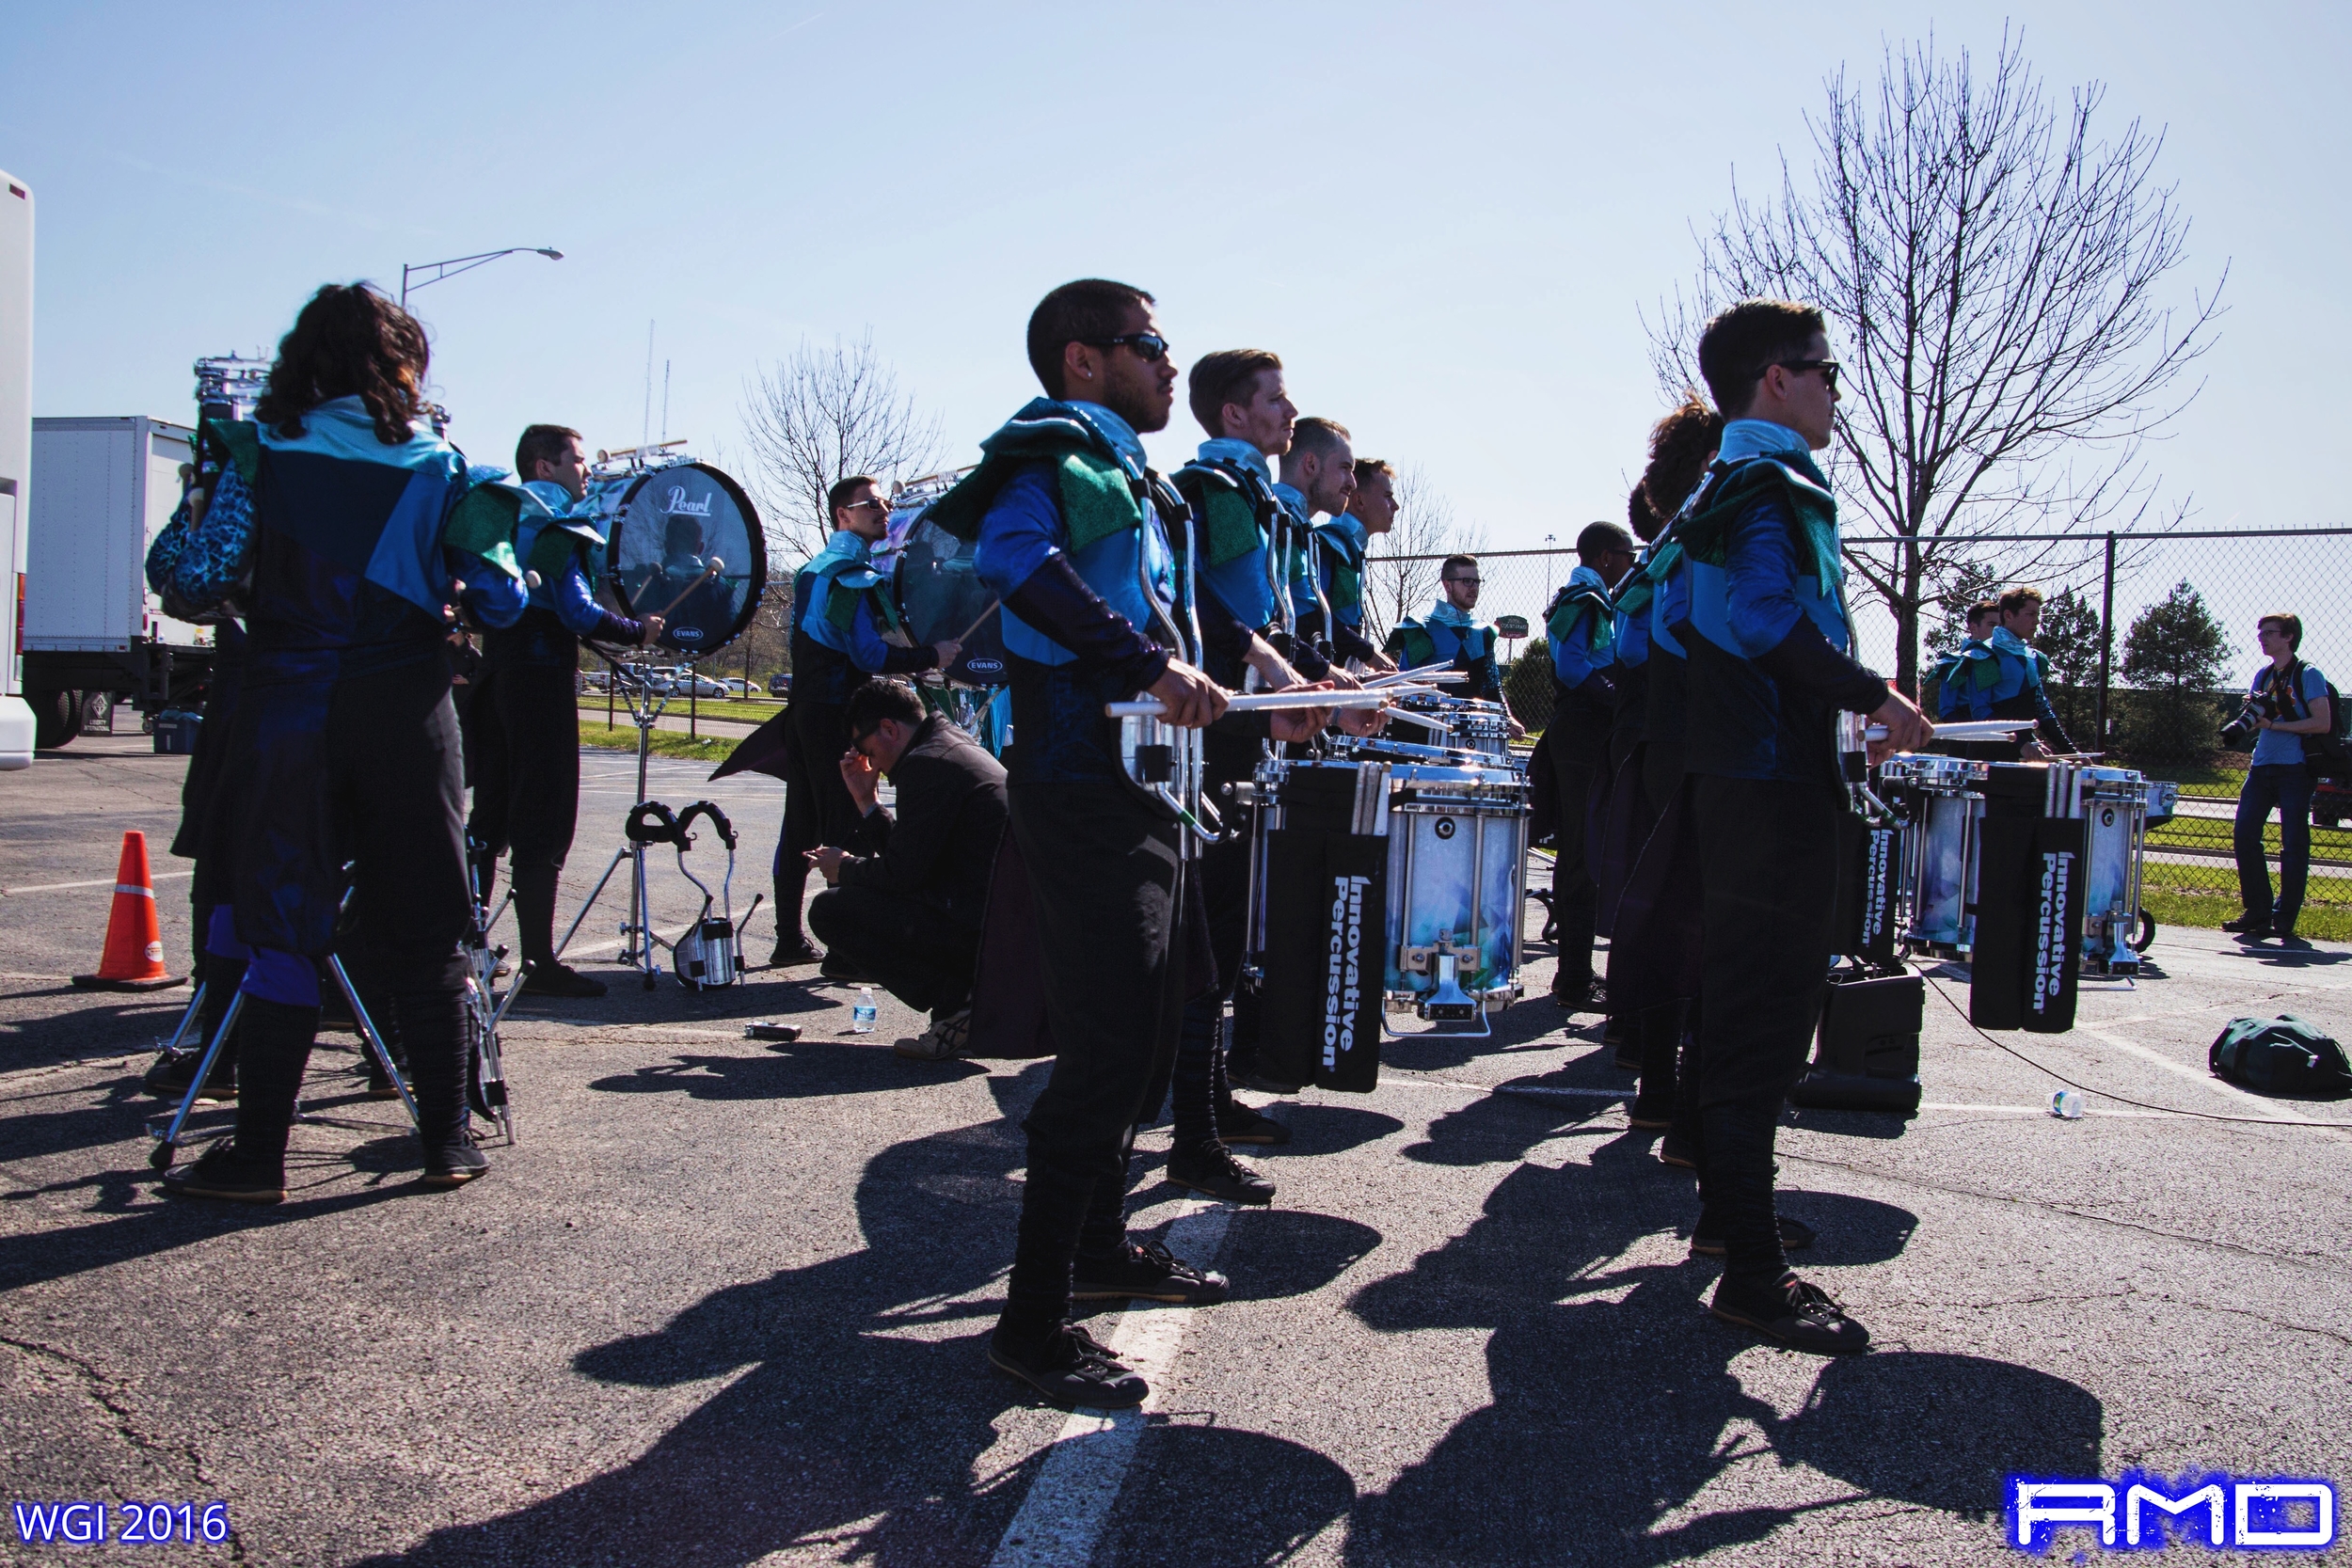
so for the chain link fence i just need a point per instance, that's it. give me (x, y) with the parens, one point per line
(2152, 646)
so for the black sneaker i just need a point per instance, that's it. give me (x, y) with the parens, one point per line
(2249, 925)
(1588, 995)
(171, 1072)
(1674, 1151)
(1645, 1117)
(1145, 1271)
(551, 977)
(380, 1083)
(456, 1163)
(791, 954)
(841, 969)
(1212, 1171)
(219, 1173)
(1071, 1368)
(1265, 1083)
(1802, 1316)
(1237, 1123)
(1795, 1235)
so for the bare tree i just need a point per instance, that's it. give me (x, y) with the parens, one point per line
(1994, 279)
(1401, 576)
(814, 420)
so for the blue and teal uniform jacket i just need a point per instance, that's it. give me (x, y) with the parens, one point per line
(1229, 492)
(2002, 678)
(1071, 536)
(1652, 602)
(1953, 670)
(1580, 632)
(1335, 554)
(1770, 652)
(1450, 639)
(343, 550)
(843, 618)
(559, 544)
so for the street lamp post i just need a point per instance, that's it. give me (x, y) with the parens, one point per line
(1550, 542)
(456, 265)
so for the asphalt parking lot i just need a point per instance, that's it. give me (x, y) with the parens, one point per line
(725, 1304)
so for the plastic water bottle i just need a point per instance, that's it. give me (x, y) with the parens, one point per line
(2067, 1104)
(862, 1016)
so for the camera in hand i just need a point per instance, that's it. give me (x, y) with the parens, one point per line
(2239, 733)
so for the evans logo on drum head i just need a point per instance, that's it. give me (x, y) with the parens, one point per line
(1443, 827)
(984, 666)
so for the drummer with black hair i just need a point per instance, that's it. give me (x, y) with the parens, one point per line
(522, 720)
(1072, 534)
(845, 631)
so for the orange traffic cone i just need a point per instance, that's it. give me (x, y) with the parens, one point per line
(133, 959)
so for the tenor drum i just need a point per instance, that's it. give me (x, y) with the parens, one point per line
(940, 593)
(1480, 729)
(683, 541)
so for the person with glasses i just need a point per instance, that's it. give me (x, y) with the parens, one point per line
(845, 631)
(1451, 637)
(906, 901)
(1073, 534)
(2290, 703)
(1771, 668)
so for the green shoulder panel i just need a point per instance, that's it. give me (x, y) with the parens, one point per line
(1096, 502)
(552, 551)
(1229, 528)
(240, 443)
(1348, 587)
(1410, 646)
(484, 522)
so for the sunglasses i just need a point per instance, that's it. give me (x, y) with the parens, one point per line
(1827, 367)
(860, 506)
(1149, 346)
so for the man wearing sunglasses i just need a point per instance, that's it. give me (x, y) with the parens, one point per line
(1073, 534)
(909, 907)
(1769, 670)
(845, 631)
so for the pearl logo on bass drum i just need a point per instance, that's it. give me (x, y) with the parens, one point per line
(675, 504)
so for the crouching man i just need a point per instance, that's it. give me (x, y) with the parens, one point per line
(905, 905)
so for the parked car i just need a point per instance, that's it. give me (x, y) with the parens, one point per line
(2331, 802)
(738, 687)
(704, 686)
(594, 680)
(780, 686)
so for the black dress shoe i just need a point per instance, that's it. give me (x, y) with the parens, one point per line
(1795, 1235)
(550, 978)
(1800, 1315)
(2248, 926)
(1674, 1151)
(1071, 1368)
(791, 954)
(835, 967)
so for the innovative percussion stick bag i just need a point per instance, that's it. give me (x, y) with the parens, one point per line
(2028, 942)
(1868, 866)
(1326, 934)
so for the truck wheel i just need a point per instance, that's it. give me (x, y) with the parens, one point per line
(57, 717)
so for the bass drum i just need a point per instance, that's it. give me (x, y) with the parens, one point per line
(683, 541)
(939, 592)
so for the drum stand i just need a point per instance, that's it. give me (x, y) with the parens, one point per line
(174, 1136)
(646, 706)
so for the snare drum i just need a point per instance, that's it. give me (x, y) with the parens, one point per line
(1946, 797)
(2114, 806)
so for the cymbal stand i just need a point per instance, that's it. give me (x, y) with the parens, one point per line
(486, 1065)
(648, 688)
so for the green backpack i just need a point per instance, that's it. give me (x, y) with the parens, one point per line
(2286, 1055)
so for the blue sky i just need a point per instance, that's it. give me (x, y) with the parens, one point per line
(1446, 218)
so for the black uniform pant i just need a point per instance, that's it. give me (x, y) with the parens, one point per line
(1768, 871)
(522, 737)
(816, 805)
(914, 950)
(1575, 901)
(1106, 881)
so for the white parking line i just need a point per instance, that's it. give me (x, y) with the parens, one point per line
(102, 882)
(1062, 1520)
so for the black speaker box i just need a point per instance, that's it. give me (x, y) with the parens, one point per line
(1867, 1054)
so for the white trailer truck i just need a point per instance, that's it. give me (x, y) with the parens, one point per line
(103, 488)
(16, 461)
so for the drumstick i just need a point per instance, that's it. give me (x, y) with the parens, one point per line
(993, 606)
(1259, 702)
(708, 572)
(1974, 729)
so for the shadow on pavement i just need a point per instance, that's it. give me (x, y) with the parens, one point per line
(801, 1069)
(1614, 1402)
(1328, 1130)
(865, 1400)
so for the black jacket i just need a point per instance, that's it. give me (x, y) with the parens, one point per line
(940, 843)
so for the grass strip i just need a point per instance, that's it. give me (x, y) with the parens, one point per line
(666, 743)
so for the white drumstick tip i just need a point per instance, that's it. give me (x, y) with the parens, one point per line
(717, 565)
(532, 580)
